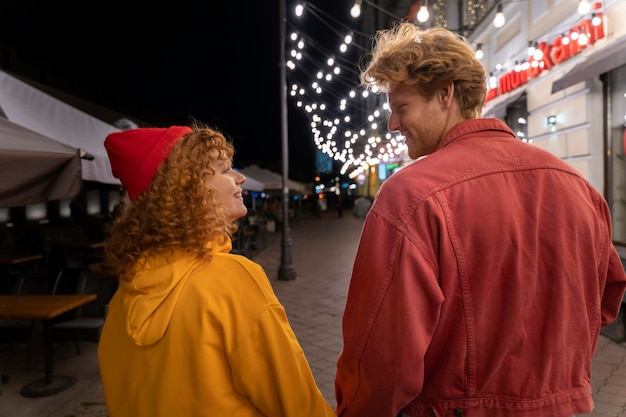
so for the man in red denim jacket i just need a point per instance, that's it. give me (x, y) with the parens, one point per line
(485, 268)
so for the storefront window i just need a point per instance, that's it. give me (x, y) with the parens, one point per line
(616, 163)
(517, 118)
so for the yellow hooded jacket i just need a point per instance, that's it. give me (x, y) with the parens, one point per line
(186, 337)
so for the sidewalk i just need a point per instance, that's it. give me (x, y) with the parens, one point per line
(322, 253)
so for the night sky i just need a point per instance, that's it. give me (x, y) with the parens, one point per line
(215, 61)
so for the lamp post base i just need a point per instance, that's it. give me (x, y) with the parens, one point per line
(286, 270)
(287, 273)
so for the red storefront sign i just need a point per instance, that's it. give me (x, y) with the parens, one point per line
(553, 54)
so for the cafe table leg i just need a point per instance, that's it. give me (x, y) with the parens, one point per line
(3, 379)
(50, 384)
(5, 281)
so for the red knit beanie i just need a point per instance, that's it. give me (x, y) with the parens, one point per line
(135, 155)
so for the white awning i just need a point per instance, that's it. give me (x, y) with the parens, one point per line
(30, 107)
(35, 168)
(252, 184)
(271, 180)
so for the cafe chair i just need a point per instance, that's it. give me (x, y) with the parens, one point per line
(88, 319)
(53, 259)
(243, 243)
(259, 240)
(23, 331)
(37, 282)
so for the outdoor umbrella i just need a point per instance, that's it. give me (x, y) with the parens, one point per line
(35, 168)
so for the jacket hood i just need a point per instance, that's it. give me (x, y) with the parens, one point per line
(150, 297)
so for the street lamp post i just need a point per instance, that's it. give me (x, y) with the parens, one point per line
(286, 271)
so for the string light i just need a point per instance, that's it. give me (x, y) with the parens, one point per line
(299, 10)
(493, 82)
(355, 141)
(595, 19)
(538, 53)
(355, 11)
(583, 7)
(423, 14)
(332, 127)
(583, 39)
(499, 20)
(479, 51)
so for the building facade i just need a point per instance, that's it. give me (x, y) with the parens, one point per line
(572, 100)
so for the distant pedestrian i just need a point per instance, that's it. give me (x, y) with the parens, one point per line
(361, 207)
(315, 206)
(339, 206)
(193, 330)
(485, 268)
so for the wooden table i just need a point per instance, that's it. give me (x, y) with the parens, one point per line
(9, 259)
(85, 244)
(46, 308)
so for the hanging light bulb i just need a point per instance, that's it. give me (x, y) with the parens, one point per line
(595, 19)
(531, 48)
(493, 82)
(423, 15)
(299, 9)
(565, 39)
(582, 37)
(479, 51)
(355, 11)
(499, 20)
(583, 6)
(538, 54)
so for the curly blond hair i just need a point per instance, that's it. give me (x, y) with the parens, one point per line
(177, 210)
(427, 59)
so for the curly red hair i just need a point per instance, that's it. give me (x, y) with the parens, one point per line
(177, 211)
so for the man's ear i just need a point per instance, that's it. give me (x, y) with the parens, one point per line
(446, 95)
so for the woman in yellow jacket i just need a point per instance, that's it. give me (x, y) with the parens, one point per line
(193, 330)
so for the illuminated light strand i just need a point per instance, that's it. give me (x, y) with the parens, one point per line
(333, 133)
